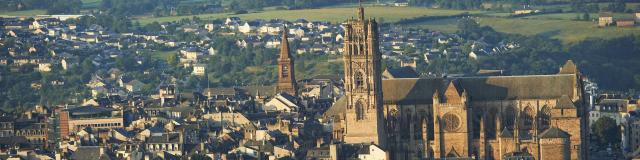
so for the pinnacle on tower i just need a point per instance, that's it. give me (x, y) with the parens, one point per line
(360, 11)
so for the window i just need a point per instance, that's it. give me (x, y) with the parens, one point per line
(285, 71)
(509, 117)
(528, 117)
(543, 117)
(358, 80)
(359, 111)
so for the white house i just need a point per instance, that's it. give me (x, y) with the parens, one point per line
(272, 44)
(134, 86)
(270, 29)
(282, 102)
(247, 27)
(210, 27)
(199, 69)
(298, 32)
(372, 152)
(232, 20)
(44, 67)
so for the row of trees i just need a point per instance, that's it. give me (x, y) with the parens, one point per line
(576, 5)
(137, 7)
(52, 6)
(591, 7)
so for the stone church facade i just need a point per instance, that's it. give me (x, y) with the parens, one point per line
(493, 117)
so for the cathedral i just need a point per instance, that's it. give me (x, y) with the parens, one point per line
(484, 117)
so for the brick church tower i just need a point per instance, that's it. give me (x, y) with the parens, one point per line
(286, 73)
(363, 82)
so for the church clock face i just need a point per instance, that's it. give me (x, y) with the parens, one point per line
(451, 122)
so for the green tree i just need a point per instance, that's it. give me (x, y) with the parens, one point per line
(173, 59)
(607, 131)
(586, 16)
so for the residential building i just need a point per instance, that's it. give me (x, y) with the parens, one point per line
(610, 107)
(605, 19)
(6, 126)
(199, 69)
(625, 22)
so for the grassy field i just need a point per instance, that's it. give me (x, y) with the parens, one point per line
(88, 4)
(567, 31)
(164, 55)
(572, 16)
(389, 14)
(23, 13)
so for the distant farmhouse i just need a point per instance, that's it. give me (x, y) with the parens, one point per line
(606, 19)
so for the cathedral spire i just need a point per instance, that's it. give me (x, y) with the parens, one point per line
(284, 50)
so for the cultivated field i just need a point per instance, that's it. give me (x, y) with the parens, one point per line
(389, 14)
(23, 13)
(560, 26)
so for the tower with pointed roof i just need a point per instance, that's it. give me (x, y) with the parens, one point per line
(363, 82)
(286, 72)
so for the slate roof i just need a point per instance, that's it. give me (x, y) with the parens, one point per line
(165, 138)
(289, 97)
(227, 91)
(518, 87)
(337, 108)
(554, 133)
(88, 153)
(410, 90)
(6, 119)
(565, 103)
(421, 90)
(402, 72)
(88, 110)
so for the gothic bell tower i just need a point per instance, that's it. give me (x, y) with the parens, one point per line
(363, 82)
(286, 73)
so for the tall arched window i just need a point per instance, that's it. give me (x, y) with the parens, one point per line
(509, 117)
(360, 114)
(527, 117)
(544, 116)
(358, 79)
